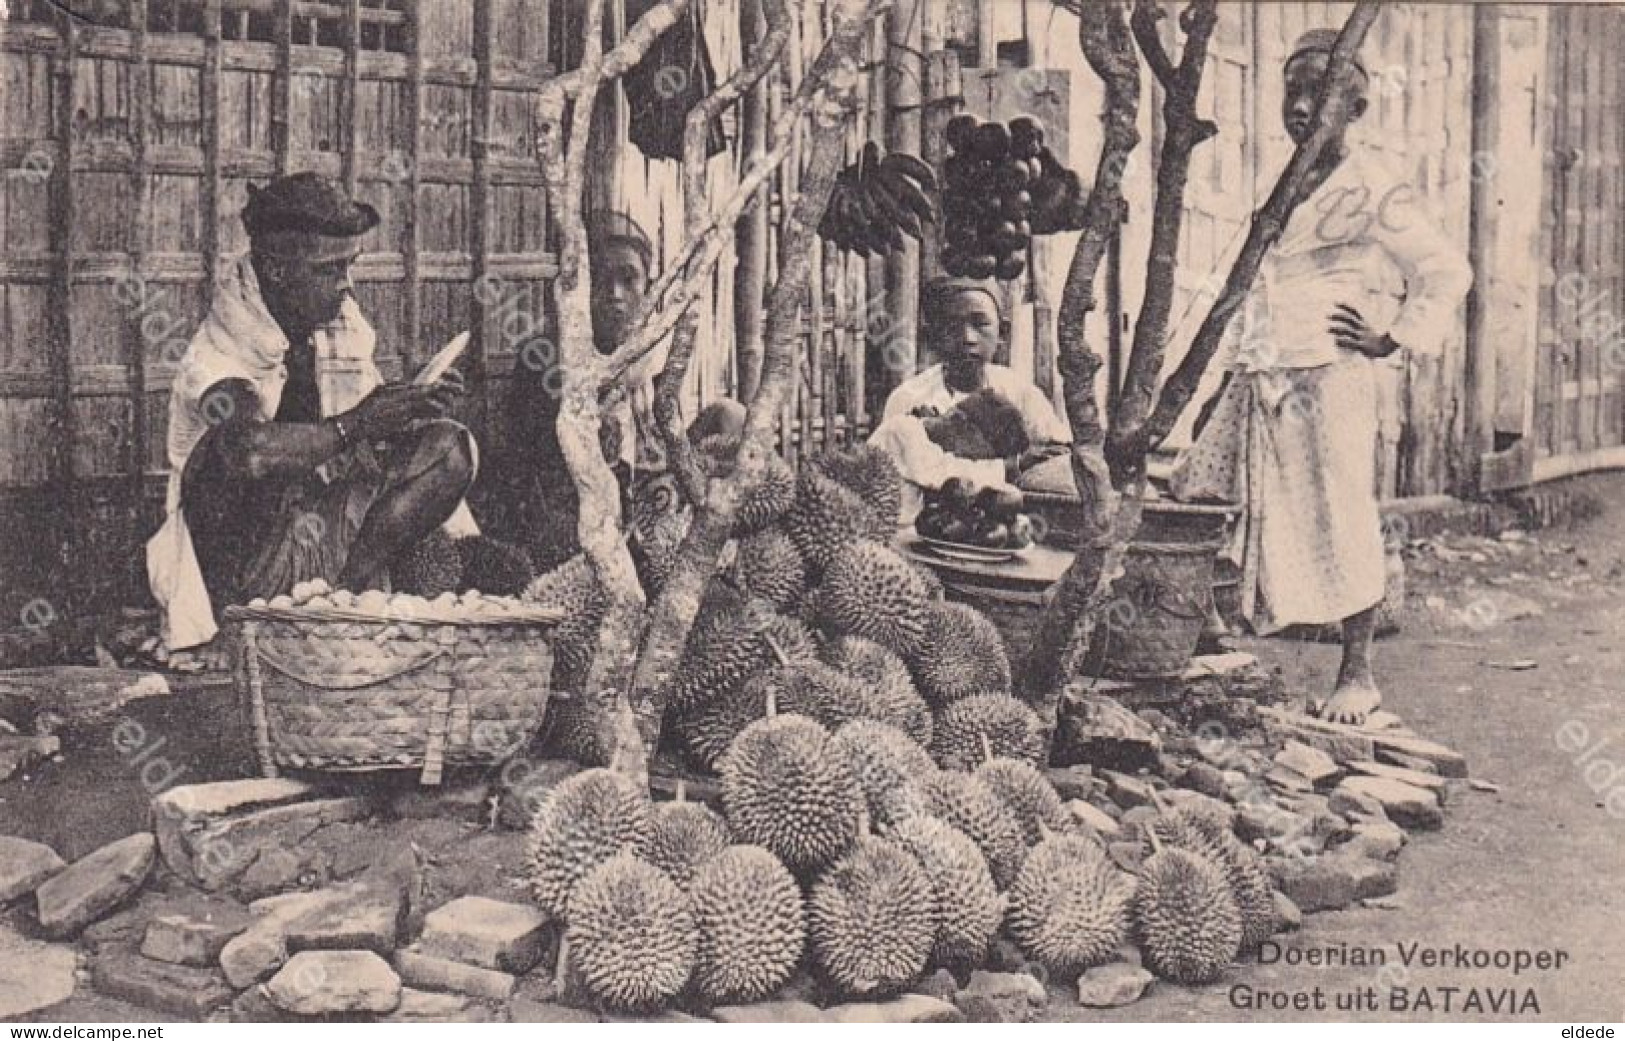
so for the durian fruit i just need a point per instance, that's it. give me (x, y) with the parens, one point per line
(883, 760)
(494, 567)
(428, 567)
(887, 678)
(962, 655)
(1187, 922)
(1069, 907)
(731, 643)
(968, 804)
(974, 729)
(765, 502)
(657, 548)
(1031, 798)
(870, 591)
(827, 516)
(751, 922)
(787, 788)
(1244, 870)
(631, 935)
(872, 919)
(683, 836)
(589, 818)
(869, 472)
(573, 588)
(969, 906)
(768, 567)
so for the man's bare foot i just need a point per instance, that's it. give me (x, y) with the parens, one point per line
(1351, 703)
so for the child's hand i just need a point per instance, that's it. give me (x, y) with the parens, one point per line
(1351, 332)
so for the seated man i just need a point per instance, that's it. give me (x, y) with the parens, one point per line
(290, 458)
(960, 417)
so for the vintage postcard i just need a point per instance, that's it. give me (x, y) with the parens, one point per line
(811, 511)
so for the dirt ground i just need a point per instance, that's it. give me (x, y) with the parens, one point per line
(1510, 654)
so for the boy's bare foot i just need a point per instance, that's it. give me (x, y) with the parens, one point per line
(1351, 702)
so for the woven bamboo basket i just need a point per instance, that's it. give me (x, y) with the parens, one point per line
(1151, 628)
(327, 688)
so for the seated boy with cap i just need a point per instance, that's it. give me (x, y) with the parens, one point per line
(290, 458)
(965, 416)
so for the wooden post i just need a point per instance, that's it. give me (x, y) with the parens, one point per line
(282, 88)
(348, 158)
(414, 188)
(750, 271)
(141, 219)
(1478, 371)
(60, 297)
(905, 76)
(210, 111)
(480, 211)
(944, 98)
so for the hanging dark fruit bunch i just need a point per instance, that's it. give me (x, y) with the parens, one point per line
(1003, 186)
(877, 201)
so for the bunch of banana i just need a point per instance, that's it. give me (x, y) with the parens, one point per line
(877, 201)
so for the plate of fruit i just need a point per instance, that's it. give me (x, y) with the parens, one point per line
(983, 526)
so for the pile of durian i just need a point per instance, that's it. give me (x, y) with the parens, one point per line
(884, 811)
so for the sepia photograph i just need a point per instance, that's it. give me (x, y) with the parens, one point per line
(811, 511)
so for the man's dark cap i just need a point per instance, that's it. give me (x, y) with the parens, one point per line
(607, 226)
(936, 293)
(306, 202)
(1321, 41)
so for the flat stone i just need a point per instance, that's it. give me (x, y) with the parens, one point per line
(19, 753)
(1286, 780)
(1000, 997)
(184, 940)
(179, 813)
(1098, 729)
(492, 934)
(428, 972)
(1377, 838)
(1185, 799)
(1225, 664)
(1444, 760)
(1095, 819)
(1420, 778)
(909, 1008)
(1308, 762)
(1353, 802)
(33, 975)
(1127, 791)
(1334, 881)
(1072, 782)
(1340, 742)
(252, 1006)
(315, 983)
(1288, 916)
(180, 990)
(357, 915)
(95, 884)
(1405, 804)
(1382, 719)
(423, 1006)
(1205, 778)
(25, 866)
(1112, 985)
(223, 849)
(529, 1010)
(769, 1012)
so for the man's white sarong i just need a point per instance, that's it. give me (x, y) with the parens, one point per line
(1298, 448)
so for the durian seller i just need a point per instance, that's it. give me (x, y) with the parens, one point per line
(1359, 276)
(966, 416)
(290, 457)
(527, 496)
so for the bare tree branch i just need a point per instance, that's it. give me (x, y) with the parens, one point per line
(831, 85)
(696, 207)
(1109, 49)
(1144, 24)
(1331, 117)
(621, 58)
(1125, 447)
